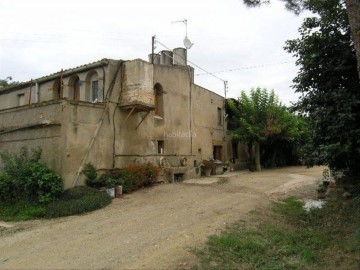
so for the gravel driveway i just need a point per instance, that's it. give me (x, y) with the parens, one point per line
(152, 228)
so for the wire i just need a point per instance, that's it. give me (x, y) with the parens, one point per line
(195, 65)
(249, 67)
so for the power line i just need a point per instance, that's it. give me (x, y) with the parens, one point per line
(195, 65)
(248, 67)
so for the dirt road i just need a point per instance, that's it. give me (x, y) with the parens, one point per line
(152, 228)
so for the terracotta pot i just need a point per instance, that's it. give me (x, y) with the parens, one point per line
(118, 191)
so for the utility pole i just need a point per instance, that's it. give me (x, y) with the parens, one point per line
(152, 48)
(224, 122)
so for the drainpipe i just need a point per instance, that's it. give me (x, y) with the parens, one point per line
(224, 122)
(103, 87)
(31, 84)
(37, 93)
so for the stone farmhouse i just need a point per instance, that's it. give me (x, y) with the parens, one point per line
(113, 113)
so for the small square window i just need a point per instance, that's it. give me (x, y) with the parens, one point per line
(161, 145)
(21, 99)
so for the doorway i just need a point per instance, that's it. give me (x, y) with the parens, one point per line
(217, 152)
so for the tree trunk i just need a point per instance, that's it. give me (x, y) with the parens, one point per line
(353, 11)
(257, 157)
(273, 157)
(251, 156)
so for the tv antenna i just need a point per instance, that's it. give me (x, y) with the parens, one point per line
(187, 43)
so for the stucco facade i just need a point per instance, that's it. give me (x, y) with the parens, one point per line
(113, 113)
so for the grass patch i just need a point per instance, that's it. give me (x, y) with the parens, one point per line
(21, 210)
(73, 201)
(223, 180)
(288, 237)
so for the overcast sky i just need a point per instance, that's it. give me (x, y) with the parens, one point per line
(39, 37)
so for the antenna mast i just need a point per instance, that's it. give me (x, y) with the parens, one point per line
(184, 22)
(187, 43)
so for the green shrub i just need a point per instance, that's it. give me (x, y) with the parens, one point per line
(152, 173)
(108, 180)
(44, 185)
(91, 175)
(124, 179)
(76, 201)
(25, 178)
(73, 201)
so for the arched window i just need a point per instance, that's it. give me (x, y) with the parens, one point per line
(93, 91)
(74, 87)
(159, 100)
(57, 90)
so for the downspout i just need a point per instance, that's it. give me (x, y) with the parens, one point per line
(191, 135)
(31, 84)
(122, 76)
(37, 92)
(224, 122)
(103, 97)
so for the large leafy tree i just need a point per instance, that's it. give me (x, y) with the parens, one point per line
(285, 147)
(328, 82)
(259, 119)
(352, 11)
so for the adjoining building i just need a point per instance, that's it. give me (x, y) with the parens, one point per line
(113, 113)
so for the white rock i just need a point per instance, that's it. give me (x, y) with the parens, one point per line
(311, 204)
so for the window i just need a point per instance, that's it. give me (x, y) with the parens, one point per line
(21, 100)
(93, 87)
(74, 87)
(77, 89)
(161, 145)
(57, 90)
(217, 152)
(159, 100)
(219, 115)
(95, 91)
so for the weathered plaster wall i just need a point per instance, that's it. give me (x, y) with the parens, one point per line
(139, 144)
(10, 99)
(189, 126)
(138, 84)
(81, 121)
(206, 126)
(34, 126)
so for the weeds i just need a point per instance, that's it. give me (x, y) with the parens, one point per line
(223, 180)
(288, 237)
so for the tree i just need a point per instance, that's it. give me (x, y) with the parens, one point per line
(7, 82)
(258, 118)
(353, 13)
(286, 146)
(329, 84)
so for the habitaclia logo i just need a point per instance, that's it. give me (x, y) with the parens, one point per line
(179, 134)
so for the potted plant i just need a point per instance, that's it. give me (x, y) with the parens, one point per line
(109, 182)
(118, 188)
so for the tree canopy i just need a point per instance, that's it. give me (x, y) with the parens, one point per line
(328, 82)
(260, 119)
(7, 82)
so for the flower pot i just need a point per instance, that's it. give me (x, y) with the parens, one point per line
(110, 192)
(118, 191)
(207, 171)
